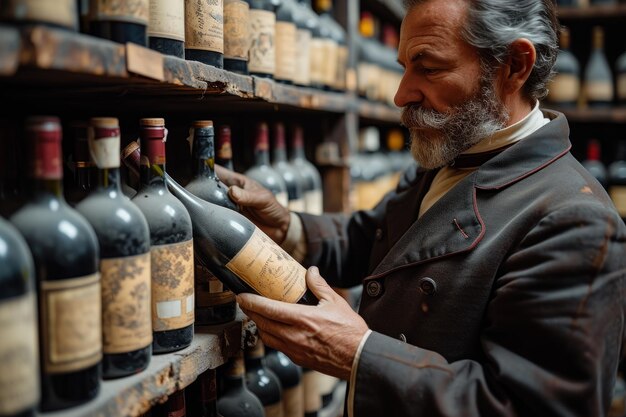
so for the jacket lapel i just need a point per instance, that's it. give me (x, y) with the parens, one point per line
(451, 225)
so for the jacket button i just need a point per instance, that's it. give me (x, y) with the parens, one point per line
(428, 286)
(374, 288)
(379, 234)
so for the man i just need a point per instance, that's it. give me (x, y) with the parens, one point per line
(494, 275)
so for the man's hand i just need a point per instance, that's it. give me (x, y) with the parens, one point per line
(257, 203)
(323, 337)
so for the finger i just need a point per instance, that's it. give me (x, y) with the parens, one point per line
(228, 177)
(258, 198)
(318, 285)
(272, 309)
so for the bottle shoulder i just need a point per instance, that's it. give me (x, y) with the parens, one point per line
(16, 262)
(165, 214)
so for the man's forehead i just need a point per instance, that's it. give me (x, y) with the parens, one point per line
(434, 15)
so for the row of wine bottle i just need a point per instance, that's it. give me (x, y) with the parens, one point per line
(596, 86)
(262, 382)
(114, 278)
(282, 39)
(613, 176)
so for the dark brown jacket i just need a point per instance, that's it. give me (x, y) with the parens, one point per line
(509, 291)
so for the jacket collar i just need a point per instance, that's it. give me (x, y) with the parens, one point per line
(454, 224)
(527, 156)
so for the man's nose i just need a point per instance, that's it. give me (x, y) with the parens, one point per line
(408, 91)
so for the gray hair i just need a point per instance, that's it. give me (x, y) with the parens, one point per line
(494, 24)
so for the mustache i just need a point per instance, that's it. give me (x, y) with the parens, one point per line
(416, 116)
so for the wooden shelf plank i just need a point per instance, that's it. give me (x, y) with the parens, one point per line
(167, 373)
(614, 11)
(306, 98)
(615, 115)
(378, 111)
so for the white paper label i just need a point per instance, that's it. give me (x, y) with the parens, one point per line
(167, 19)
(262, 52)
(303, 57)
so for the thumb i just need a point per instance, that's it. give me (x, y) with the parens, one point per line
(318, 285)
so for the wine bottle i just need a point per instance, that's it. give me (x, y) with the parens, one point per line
(120, 21)
(564, 88)
(66, 255)
(312, 397)
(367, 67)
(171, 252)
(617, 179)
(243, 257)
(166, 27)
(78, 186)
(236, 400)
(261, 171)
(620, 74)
(290, 376)
(175, 406)
(19, 380)
(336, 72)
(236, 35)
(201, 395)
(598, 76)
(214, 303)
(311, 180)
(124, 240)
(204, 32)
(317, 46)
(62, 13)
(330, 44)
(262, 53)
(289, 173)
(594, 164)
(304, 33)
(262, 381)
(285, 42)
(224, 148)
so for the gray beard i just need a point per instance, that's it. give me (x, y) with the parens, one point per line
(453, 132)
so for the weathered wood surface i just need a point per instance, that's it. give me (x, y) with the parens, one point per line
(167, 373)
(305, 98)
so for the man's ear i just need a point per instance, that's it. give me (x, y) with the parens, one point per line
(519, 65)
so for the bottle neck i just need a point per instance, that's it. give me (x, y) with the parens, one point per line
(254, 363)
(109, 179)
(83, 175)
(152, 162)
(203, 155)
(280, 155)
(261, 157)
(48, 186)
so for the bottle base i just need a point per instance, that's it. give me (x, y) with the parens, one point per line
(236, 65)
(172, 340)
(215, 59)
(124, 364)
(63, 391)
(167, 46)
(120, 32)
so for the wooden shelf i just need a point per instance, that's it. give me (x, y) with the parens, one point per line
(617, 11)
(615, 115)
(167, 373)
(378, 111)
(40, 62)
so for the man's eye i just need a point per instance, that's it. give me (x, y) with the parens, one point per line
(430, 71)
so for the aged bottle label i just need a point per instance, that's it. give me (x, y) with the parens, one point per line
(59, 12)
(330, 59)
(167, 19)
(312, 397)
(262, 54)
(126, 317)
(564, 88)
(172, 286)
(618, 195)
(314, 202)
(268, 269)
(598, 91)
(298, 205)
(236, 34)
(209, 289)
(342, 65)
(293, 401)
(132, 11)
(72, 314)
(204, 25)
(19, 384)
(285, 51)
(274, 410)
(303, 61)
(317, 61)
